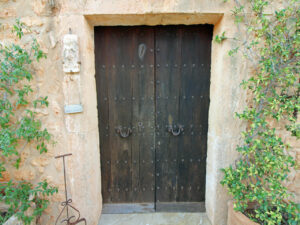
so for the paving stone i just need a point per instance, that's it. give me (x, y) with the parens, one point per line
(155, 219)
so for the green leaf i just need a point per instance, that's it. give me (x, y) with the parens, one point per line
(220, 39)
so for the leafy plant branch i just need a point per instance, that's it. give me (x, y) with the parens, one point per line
(18, 124)
(270, 42)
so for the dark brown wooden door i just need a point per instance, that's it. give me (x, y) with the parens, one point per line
(182, 100)
(125, 78)
(153, 97)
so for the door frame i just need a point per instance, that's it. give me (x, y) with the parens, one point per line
(225, 97)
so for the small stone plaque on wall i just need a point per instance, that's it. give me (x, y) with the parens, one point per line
(71, 63)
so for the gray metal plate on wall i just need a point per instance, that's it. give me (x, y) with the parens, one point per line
(69, 109)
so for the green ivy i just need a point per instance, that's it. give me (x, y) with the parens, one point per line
(22, 196)
(271, 42)
(18, 124)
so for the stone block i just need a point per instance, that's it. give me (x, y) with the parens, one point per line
(25, 173)
(5, 176)
(8, 12)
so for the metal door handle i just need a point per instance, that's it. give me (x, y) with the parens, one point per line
(122, 132)
(175, 132)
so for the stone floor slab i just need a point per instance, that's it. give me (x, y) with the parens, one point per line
(155, 219)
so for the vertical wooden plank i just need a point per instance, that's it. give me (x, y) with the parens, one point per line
(168, 52)
(188, 148)
(119, 116)
(204, 34)
(103, 117)
(186, 99)
(143, 116)
(194, 102)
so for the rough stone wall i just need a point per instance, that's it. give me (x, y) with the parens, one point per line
(49, 21)
(37, 15)
(71, 132)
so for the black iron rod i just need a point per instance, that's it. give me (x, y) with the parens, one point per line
(66, 193)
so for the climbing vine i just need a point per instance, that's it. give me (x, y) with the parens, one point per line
(19, 127)
(270, 41)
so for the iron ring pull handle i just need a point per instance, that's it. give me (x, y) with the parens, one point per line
(174, 132)
(122, 133)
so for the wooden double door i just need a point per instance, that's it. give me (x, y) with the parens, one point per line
(153, 98)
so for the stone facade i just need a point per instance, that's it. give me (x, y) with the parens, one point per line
(50, 21)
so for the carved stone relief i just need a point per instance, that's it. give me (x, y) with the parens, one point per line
(71, 54)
